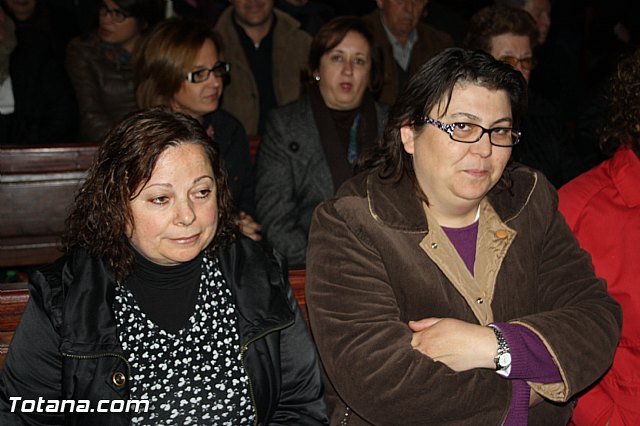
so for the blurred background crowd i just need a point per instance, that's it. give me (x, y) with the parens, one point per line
(268, 71)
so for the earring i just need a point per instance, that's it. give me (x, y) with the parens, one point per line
(316, 77)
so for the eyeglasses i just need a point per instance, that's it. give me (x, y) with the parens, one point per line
(117, 15)
(527, 63)
(471, 133)
(220, 70)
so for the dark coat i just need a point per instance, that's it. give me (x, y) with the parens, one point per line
(390, 262)
(234, 151)
(104, 89)
(67, 347)
(293, 177)
(45, 106)
(545, 145)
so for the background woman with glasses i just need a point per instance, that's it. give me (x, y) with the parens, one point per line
(179, 64)
(443, 280)
(99, 65)
(510, 35)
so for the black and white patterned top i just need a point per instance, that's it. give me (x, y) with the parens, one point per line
(194, 376)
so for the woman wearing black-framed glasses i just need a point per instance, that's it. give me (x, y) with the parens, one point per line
(179, 64)
(99, 65)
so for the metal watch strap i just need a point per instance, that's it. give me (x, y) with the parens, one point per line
(503, 346)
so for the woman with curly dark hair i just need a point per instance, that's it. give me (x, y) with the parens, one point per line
(602, 206)
(158, 300)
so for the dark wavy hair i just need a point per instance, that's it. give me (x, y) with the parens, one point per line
(331, 34)
(122, 166)
(432, 85)
(148, 13)
(621, 127)
(166, 55)
(496, 20)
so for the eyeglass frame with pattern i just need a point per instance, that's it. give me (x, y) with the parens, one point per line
(117, 15)
(449, 129)
(220, 69)
(528, 63)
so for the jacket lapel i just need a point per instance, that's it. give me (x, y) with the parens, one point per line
(398, 207)
(311, 159)
(260, 300)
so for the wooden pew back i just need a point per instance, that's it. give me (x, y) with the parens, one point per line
(37, 186)
(254, 145)
(13, 300)
(296, 278)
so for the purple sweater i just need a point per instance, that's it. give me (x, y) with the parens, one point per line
(530, 359)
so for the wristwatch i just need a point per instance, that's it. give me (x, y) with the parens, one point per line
(503, 357)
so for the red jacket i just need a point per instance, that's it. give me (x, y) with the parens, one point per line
(602, 208)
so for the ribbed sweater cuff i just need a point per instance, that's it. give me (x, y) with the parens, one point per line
(530, 359)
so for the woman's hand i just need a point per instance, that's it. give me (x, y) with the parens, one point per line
(249, 227)
(459, 345)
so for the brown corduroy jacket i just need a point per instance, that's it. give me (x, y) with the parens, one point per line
(377, 260)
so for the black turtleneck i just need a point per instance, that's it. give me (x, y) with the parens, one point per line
(334, 128)
(343, 120)
(166, 294)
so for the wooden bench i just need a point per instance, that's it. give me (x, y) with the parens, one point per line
(296, 278)
(254, 144)
(13, 300)
(37, 186)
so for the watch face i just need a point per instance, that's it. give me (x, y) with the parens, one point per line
(504, 360)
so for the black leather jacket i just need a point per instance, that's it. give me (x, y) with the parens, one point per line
(66, 346)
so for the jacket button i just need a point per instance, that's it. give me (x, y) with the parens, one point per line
(119, 379)
(480, 301)
(434, 245)
(501, 233)
(294, 147)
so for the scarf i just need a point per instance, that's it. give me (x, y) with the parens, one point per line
(113, 53)
(344, 135)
